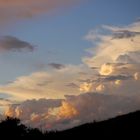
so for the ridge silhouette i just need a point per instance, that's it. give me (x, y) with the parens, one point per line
(116, 128)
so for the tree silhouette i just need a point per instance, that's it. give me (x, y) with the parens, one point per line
(119, 127)
(12, 127)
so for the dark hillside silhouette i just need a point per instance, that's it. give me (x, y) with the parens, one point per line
(119, 127)
(12, 128)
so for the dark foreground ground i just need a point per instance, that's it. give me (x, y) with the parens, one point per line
(126, 126)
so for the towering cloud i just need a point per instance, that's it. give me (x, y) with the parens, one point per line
(121, 50)
(108, 86)
(63, 114)
(67, 111)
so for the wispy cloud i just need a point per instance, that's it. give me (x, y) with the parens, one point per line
(19, 9)
(48, 83)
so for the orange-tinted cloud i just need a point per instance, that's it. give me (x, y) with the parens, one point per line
(9, 112)
(72, 111)
(67, 111)
(114, 88)
(15, 9)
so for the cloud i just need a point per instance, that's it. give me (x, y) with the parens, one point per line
(118, 58)
(86, 87)
(72, 111)
(19, 9)
(72, 85)
(137, 76)
(124, 34)
(116, 77)
(34, 106)
(117, 66)
(46, 84)
(106, 69)
(13, 44)
(67, 111)
(110, 50)
(105, 85)
(5, 102)
(56, 66)
(137, 20)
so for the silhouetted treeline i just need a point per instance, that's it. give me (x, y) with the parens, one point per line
(117, 128)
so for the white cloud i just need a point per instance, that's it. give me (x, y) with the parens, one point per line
(109, 50)
(52, 84)
(112, 78)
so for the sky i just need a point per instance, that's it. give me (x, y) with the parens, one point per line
(61, 60)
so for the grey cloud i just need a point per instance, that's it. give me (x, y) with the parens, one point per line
(4, 99)
(85, 80)
(72, 85)
(97, 106)
(44, 83)
(101, 106)
(116, 77)
(94, 68)
(13, 44)
(35, 106)
(121, 34)
(129, 57)
(137, 20)
(125, 58)
(56, 66)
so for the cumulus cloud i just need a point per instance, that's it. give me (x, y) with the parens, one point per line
(72, 111)
(86, 87)
(18, 9)
(109, 50)
(67, 111)
(106, 85)
(28, 107)
(117, 55)
(5, 103)
(10, 43)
